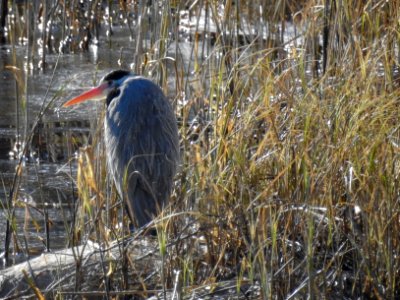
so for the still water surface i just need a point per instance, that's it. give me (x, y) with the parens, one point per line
(49, 170)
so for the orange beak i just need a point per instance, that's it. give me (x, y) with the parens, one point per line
(93, 94)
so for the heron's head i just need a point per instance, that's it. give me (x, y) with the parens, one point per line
(108, 84)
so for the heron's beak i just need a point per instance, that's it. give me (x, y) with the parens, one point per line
(94, 94)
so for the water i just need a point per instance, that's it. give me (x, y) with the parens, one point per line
(48, 168)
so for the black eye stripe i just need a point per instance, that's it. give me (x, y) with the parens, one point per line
(112, 94)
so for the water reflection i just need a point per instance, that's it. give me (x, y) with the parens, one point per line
(46, 181)
(43, 187)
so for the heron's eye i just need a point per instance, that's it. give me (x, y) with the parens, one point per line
(111, 95)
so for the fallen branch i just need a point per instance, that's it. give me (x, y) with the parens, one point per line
(79, 269)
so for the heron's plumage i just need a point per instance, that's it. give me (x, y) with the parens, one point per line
(142, 145)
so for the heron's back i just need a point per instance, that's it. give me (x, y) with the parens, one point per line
(142, 146)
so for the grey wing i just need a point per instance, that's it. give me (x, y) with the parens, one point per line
(143, 154)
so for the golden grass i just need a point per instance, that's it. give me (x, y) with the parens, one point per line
(290, 174)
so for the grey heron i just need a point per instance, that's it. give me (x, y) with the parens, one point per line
(141, 141)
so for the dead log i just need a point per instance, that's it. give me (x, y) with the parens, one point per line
(84, 268)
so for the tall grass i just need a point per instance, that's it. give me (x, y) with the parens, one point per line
(290, 148)
(297, 179)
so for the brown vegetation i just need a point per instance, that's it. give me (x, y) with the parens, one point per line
(289, 181)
